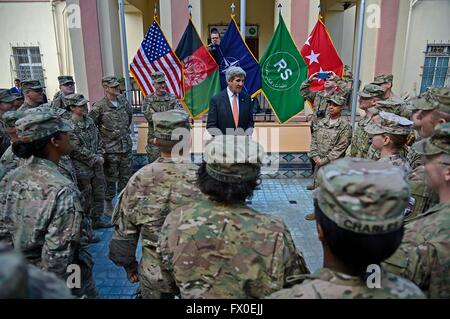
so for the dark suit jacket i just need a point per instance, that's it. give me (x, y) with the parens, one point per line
(15, 90)
(220, 115)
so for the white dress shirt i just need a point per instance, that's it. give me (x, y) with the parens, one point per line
(230, 97)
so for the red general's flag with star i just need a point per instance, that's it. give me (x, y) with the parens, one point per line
(320, 54)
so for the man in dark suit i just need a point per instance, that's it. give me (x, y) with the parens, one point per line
(230, 112)
(16, 89)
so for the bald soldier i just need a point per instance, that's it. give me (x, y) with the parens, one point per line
(424, 255)
(219, 247)
(152, 193)
(159, 101)
(359, 223)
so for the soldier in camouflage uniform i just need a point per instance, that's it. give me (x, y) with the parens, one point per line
(360, 223)
(87, 157)
(368, 99)
(394, 107)
(424, 254)
(33, 93)
(434, 109)
(319, 99)
(386, 82)
(152, 193)
(40, 209)
(113, 116)
(331, 137)
(159, 101)
(66, 87)
(219, 247)
(6, 104)
(415, 159)
(19, 280)
(9, 160)
(388, 133)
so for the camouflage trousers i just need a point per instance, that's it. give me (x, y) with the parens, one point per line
(86, 263)
(118, 169)
(154, 282)
(92, 187)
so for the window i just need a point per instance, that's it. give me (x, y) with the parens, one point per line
(28, 63)
(436, 67)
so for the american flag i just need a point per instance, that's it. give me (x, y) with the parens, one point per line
(155, 55)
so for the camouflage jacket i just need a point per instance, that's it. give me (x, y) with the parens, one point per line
(154, 103)
(58, 101)
(424, 196)
(328, 284)
(5, 142)
(218, 251)
(113, 124)
(25, 106)
(398, 161)
(375, 155)
(330, 140)
(11, 161)
(318, 99)
(415, 159)
(40, 214)
(87, 146)
(424, 255)
(360, 141)
(150, 195)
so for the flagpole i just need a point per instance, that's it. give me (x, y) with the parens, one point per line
(126, 73)
(362, 13)
(243, 16)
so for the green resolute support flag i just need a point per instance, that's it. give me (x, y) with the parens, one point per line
(283, 71)
(201, 72)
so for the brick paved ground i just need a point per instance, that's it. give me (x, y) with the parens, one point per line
(286, 198)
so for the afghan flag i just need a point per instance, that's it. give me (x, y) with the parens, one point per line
(201, 72)
(283, 71)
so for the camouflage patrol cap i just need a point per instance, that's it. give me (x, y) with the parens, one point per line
(31, 85)
(337, 100)
(372, 90)
(6, 96)
(391, 106)
(164, 123)
(158, 77)
(75, 100)
(434, 99)
(64, 79)
(110, 81)
(40, 122)
(438, 143)
(389, 123)
(233, 159)
(12, 116)
(354, 194)
(384, 78)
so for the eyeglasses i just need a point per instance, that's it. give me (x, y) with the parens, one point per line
(69, 84)
(38, 90)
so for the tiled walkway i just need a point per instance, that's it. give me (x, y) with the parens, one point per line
(286, 198)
